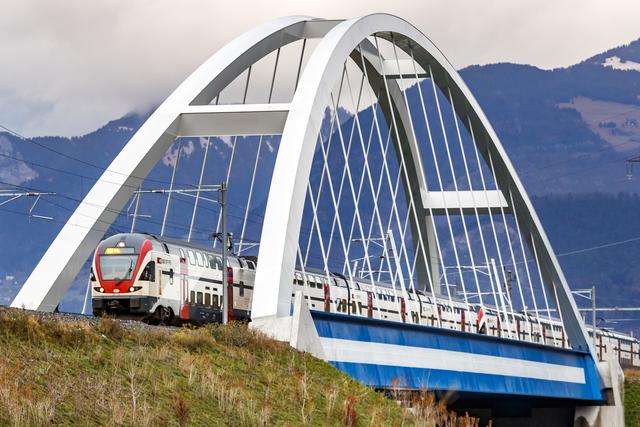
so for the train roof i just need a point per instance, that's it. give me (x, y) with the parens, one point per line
(181, 243)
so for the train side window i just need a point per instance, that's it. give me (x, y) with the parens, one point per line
(199, 298)
(218, 263)
(192, 297)
(206, 260)
(192, 257)
(149, 272)
(166, 248)
(251, 265)
(215, 301)
(207, 299)
(241, 289)
(182, 255)
(199, 259)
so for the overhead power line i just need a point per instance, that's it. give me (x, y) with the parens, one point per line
(76, 159)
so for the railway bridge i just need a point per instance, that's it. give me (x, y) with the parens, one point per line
(354, 147)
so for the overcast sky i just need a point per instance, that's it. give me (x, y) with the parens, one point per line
(68, 67)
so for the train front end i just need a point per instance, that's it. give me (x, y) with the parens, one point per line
(123, 277)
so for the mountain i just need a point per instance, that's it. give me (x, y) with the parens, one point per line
(583, 120)
(568, 131)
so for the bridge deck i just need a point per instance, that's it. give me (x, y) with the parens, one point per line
(387, 354)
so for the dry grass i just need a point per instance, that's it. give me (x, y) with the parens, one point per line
(349, 411)
(427, 411)
(73, 373)
(632, 397)
(181, 410)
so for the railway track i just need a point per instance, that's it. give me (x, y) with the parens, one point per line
(88, 318)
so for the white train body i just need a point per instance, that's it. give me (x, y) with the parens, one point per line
(157, 279)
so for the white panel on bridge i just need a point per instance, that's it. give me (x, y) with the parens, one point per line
(468, 201)
(241, 119)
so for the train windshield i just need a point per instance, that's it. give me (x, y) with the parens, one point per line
(117, 267)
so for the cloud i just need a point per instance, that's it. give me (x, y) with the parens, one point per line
(226, 140)
(13, 171)
(269, 146)
(70, 66)
(170, 157)
(188, 148)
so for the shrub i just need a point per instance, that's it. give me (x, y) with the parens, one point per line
(349, 411)
(234, 333)
(70, 333)
(194, 340)
(181, 410)
(110, 328)
(21, 325)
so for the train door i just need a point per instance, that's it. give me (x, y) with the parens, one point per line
(369, 305)
(163, 277)
(403, 309)
(327, 297)
(184, 286)
(245, 279)
(230, 291)
(161, 281)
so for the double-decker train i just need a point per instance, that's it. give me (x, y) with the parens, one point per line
(161, 280)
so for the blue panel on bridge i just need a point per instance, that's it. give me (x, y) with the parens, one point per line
(387, 354)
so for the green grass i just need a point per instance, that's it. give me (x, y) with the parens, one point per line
(632, 398)
(75, 373)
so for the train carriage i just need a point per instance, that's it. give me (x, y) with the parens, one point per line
(156, 279)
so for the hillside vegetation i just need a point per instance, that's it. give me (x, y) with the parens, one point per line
(632, 398)
(88, 372)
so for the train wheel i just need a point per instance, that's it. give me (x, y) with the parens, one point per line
(165, 314)
(153, 319)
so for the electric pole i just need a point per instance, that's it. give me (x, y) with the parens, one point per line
(225, 247)
(630, 162)
(593, 315)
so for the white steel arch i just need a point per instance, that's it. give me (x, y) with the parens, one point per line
(184, 113)
(187, 112)
(284, 210)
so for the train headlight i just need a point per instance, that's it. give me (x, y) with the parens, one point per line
(131, 289)
(101, 289)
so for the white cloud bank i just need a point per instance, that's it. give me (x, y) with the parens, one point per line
(68, 66)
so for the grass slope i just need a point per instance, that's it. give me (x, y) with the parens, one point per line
(632, 398)
(76, 372)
